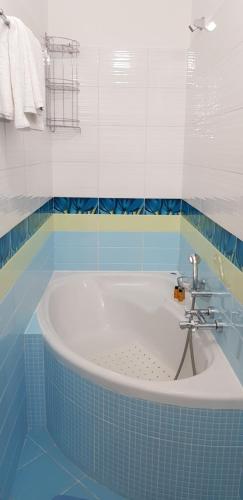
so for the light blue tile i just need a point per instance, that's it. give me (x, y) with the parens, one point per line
(157, 255)
(159, 239)
(56, 454)
(100, 491)
(40, 480)
(120, 239)
(80, 492)
(160, 267)
(75, 254)
(119, 267)
(75, 266)
(87, 239)
(130, 255)
(30, 451)
(42, 438)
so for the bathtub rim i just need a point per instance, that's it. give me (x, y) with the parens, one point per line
(206, 390)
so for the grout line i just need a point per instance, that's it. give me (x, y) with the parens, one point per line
(68, 489)
(88, 491)
(30, 461)
(82, 474)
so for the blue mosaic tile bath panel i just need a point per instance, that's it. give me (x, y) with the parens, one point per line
(140, 449)
(16, 309)
(35, 378)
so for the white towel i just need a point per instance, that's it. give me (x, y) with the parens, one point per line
(6, 97)
(27, 76)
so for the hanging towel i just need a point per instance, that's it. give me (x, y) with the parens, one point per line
(6, 97)
(27, 76)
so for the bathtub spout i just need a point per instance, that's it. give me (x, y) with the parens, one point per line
(195, 325)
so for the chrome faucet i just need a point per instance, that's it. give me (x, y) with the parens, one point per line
(197, 318)
(197, 325)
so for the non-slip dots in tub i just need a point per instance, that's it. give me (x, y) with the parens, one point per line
(135, 361)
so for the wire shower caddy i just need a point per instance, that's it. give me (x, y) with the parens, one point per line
(62, 83)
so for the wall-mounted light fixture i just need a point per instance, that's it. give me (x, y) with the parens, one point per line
(202, 24)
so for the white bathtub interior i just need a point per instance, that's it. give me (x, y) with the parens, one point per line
(122, 330)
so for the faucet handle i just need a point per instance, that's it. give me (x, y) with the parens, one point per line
(209, 311)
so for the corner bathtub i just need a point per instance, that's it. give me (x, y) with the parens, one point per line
(113, 346)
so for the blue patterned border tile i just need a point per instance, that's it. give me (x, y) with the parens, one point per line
(162, 206)
(12, 241)
(228, 244)
(75, 205)
(121, 206)
(117, 206)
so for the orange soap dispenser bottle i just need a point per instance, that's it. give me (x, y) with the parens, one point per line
(181, 294)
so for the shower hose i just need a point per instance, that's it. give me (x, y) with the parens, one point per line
(188, 345)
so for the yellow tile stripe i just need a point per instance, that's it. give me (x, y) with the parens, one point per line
(10, 273)
(112, 223)
(229, 274)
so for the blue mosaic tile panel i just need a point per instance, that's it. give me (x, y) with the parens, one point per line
(142, 449)
(16, 309)
(35, 379)
(11, 242)
(228, 244)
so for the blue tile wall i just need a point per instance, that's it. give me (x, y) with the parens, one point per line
(16, 309)
(142, 449)
(116, 251)
(230, 310)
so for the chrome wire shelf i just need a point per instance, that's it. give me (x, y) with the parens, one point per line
(62, 83)
(62, 45)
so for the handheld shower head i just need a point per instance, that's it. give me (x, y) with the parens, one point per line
(195, 261)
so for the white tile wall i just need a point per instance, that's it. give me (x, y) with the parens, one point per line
(132, 113)
(25, 156)
(213, 173)
(121, 24)
(132, 70)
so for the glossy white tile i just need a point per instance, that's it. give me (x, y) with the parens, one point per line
(76, 179)
(123, 67)
(74, 146)
(167, 68)
(166, 107)
(119, 180)
(163, 179)
(122, 106)
(122, 144)
(88, 66)
(165, 145)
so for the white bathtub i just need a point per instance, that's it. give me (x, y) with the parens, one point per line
(121, 330)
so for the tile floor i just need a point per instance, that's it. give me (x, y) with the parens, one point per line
(44, 472)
